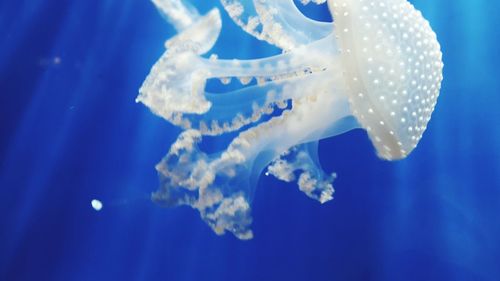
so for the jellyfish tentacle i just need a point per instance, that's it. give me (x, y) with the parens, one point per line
(220, 185)
(177, 80)
(305, 2)
(178, 94)
(175, 87)
(285, 26)
(175, 84)
(248, 105)
(181, 99)
(279, 23)
(190, 177)
(199, 37)
(179, 13)
(244, 15)
(302, 160)
(309, 57)
(311, 117)
(231, 111)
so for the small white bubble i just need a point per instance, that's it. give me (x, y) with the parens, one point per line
(96, 204)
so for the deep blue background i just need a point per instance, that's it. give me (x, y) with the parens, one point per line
(70, 131)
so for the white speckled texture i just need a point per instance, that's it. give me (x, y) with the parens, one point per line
(393, 65)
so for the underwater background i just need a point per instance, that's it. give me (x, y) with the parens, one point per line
(70, 131)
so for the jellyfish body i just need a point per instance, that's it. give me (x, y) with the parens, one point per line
(377, 66)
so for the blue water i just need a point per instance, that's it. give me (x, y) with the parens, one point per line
(70, 131)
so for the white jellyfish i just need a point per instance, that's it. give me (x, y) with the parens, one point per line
(377, 66)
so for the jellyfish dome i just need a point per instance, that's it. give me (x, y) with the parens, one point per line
(377, 66)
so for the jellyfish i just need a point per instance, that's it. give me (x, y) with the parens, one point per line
(377, 66)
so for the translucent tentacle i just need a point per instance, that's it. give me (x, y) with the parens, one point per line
(175, 87)
(221, 185)
(243, 14)
(305, 2)
(309, 57)
(177, 80)
(199, 37)
(301, 164)
(286, 27)
(279, 23)
(190, 177)
(178, 12)
(233, 110)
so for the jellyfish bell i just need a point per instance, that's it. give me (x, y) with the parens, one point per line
(393, 68)
(377, 67)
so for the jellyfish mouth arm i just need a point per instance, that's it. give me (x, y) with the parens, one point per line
(176, 81)
(190, 177)
(231, 111)
(300, 164)
(323, 113)
(179, 97)
(175, 91)
(220, 186)
(280, 23)
(302, 60)
(198, 36)
(179, 13)
(310, 119)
